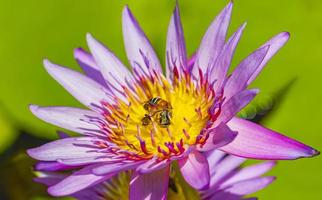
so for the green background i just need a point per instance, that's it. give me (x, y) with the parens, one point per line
(34, 29)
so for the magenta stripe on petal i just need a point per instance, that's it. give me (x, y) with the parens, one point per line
(176, 49)
(218, 137)
(152, 186)
(79, 180)
(84, 89)
(257, 142)
(138, 48)
(213, 41)
(195, 170)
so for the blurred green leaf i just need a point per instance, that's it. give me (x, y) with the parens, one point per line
(8, 133)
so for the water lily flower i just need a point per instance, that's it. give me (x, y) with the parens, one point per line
(141, 120)
(228, 181)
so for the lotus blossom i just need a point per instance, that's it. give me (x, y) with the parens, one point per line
(228, 181)
(140, 120)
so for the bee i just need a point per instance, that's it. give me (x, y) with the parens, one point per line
(156, 104)
(146, 120)
(164, 118)
(158, 110)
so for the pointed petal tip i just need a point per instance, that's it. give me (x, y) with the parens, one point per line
(176, 8)
(52, 191)
(230, 5)
(271, 179)
(92, 43)
(126, 11)
(307, 152)
(266, 144)
(77, 52)
(90, 39)
(244, 25)
(272, 163)
(31, 152)
(33, 107)
(286, 34)
(47, 63)
(313, 153)
(49, 66)
(88, 35)
(255, 91)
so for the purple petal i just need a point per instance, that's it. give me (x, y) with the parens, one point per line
(248, 187)
(80, 161)
(275, 44)
(224, 168)
(51, 166)
(62, 135)
(218, 137)
(84, 89)
(113, 70)
(138, 48)
(49, 178)
(256, 142)
(67, 148)
(240, 76)
(90, 193)
(249, 172)
(79, 180)
(214, 157)
(113, 167)
(191, 62)
(195, 170)
(87, 63)
(219, 69)
(152, 186)
(152, 165)
(74, 119)
(234, 105)
(213, 41)
(176, 49)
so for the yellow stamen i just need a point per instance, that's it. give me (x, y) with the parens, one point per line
(189, 103)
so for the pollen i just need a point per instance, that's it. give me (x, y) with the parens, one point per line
(161, 119)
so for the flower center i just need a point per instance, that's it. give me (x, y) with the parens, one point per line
(161, 119)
